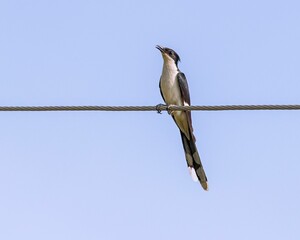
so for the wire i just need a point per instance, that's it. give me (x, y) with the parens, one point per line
(158, 108)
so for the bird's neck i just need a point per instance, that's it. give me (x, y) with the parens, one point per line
(170, 67)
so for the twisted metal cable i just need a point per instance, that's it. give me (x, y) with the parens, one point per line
(158, 108)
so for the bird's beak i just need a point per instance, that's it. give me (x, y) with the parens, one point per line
(160, 48)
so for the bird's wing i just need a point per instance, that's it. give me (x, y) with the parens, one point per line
(161, 93)
(189, 145)
(185, 96)
(184, 88)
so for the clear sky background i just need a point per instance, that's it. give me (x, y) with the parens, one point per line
(118, 175)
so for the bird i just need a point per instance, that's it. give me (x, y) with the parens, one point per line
(175, 91)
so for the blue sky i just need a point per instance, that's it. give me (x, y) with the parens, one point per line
(118, 175)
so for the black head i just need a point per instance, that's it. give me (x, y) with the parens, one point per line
(170, 52)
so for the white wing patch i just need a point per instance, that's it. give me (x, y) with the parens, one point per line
(193, 174)
(185, 103)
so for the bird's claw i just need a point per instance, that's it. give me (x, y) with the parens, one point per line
(170, 112)
(158, 107)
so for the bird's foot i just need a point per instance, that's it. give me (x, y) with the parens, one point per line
(159, 106)
(169, 110)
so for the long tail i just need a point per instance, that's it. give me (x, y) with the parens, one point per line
(193, 159)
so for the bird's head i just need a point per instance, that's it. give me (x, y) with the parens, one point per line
(168, 54)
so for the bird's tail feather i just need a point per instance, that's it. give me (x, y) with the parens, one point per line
(193, 159)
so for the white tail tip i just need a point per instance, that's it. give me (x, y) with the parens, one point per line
(193, 174)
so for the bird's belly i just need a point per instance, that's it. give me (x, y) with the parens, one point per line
(171, 92)
(172, 96)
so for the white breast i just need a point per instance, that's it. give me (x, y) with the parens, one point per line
(169, 84)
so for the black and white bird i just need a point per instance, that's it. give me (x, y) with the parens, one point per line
(175, 91)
